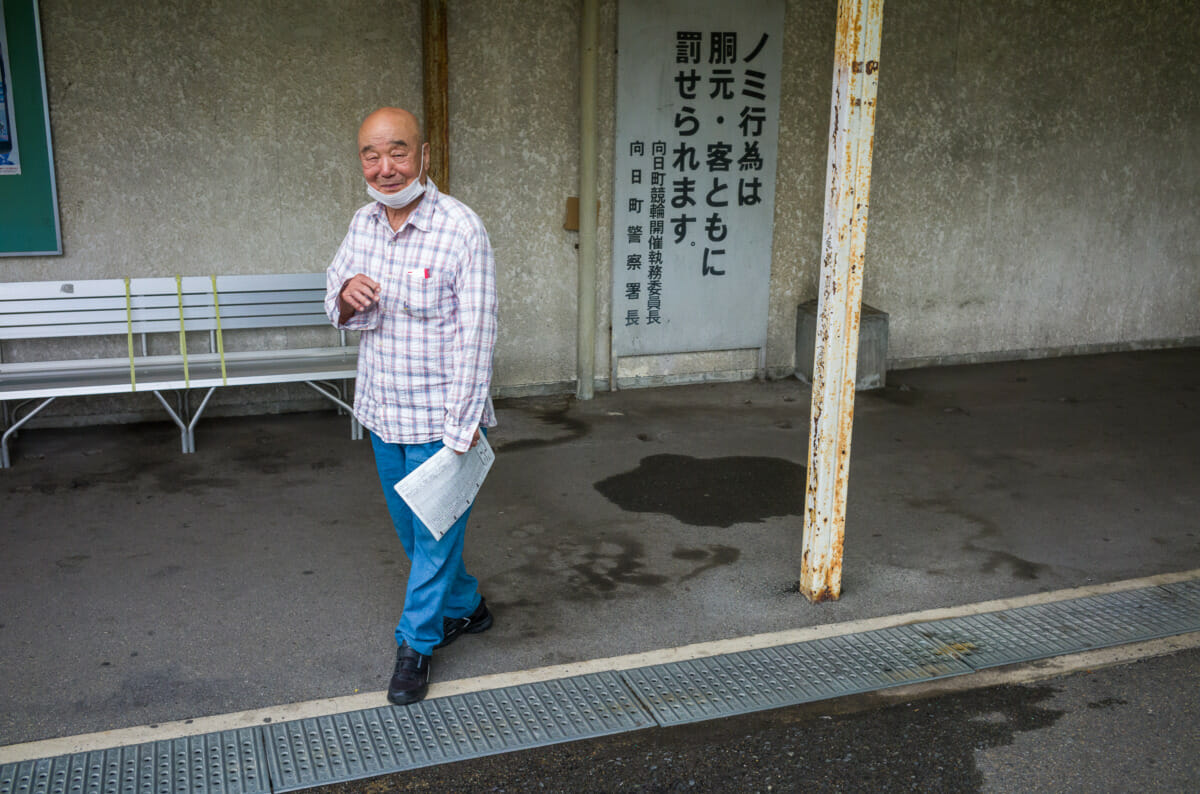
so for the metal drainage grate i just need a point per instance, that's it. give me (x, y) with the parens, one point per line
(1043, 630)
(1189, 591)
(1131, 616)
(765, 678)
(379, 741)
(230, 763)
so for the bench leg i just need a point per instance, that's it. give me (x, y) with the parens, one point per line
(5, 461)
(183, 428)
(191, 429)
(187, 429)
(356, 433)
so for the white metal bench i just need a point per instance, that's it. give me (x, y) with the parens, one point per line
(138, 308)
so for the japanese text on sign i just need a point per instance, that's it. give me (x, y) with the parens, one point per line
(695, 175)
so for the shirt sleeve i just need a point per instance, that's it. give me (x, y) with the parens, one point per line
(475, 287)
(340, 270)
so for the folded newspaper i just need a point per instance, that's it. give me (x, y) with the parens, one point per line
(441, 489)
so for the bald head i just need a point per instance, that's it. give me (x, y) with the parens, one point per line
(390, 125)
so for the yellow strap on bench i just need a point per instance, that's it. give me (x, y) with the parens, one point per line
(220, 338)
(187, 382)
(129, 325)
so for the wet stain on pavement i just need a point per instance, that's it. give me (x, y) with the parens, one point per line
(1019, 567)
(72, 563)
(604, 569)
(709, 492)
(141, 689)
(604, 566)
(263, 453)
(897, 394)
(714, 556)
(576, 429)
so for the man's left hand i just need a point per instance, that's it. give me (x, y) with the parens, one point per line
(474, 441)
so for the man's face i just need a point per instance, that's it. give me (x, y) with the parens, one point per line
(391, 153)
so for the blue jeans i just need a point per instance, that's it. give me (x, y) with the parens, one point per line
(438, 583)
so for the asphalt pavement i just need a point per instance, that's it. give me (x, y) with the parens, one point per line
(139, 585)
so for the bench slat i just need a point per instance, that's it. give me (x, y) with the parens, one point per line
(83, 303)
(273, 321)
(66, 303)
(290, 296)
(115, 287)
(271, 283)
(68, 330)
(50, 321)
(91, 288)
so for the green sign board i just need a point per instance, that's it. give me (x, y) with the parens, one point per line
(28, 199)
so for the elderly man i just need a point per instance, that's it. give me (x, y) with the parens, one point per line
(415, 274)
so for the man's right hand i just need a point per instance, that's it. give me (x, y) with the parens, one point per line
(358, 294)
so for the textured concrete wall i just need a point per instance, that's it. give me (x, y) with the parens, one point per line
(1037, 176)
(514, 147)
(1035, 180)
(214, 137)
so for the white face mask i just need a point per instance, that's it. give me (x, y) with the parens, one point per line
(408, 195)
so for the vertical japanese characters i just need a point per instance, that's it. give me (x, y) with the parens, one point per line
(695, 183)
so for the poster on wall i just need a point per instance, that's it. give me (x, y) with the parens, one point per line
(29, 224)
(10, 158)
(698, 87)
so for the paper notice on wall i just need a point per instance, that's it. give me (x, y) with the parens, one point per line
(10, 158)
(442, 488)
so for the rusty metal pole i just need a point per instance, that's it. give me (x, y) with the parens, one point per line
(435, 63)
(848, 182)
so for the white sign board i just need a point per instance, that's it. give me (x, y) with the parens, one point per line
(698, 84)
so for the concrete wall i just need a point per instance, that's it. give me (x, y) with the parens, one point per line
(514, 144)
(218, 136)
(1035, 182)
(1037, 177)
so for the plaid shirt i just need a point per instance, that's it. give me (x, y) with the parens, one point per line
(425, 354)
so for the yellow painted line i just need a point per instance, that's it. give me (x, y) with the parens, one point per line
(367, 700)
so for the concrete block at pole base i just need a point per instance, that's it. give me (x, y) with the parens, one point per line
(872, 346)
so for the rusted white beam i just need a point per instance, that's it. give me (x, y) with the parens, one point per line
(848, 180)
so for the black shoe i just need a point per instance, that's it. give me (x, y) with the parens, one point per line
(477, 621)
(410, 680)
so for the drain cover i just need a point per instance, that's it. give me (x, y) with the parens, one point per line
(766, 678)
(391, 739)
(230, 762)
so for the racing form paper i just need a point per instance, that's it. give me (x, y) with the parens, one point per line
(441, 489)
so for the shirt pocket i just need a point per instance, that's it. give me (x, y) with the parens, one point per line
(423, 294)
